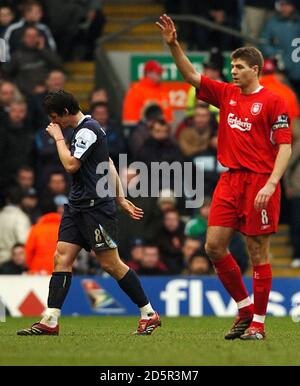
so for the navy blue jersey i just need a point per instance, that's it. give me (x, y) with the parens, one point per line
(89, 145)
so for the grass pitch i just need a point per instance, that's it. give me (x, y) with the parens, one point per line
(181, 341)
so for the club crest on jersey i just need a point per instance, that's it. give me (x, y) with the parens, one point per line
(256, 108)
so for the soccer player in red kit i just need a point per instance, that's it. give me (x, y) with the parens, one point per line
(254, 143)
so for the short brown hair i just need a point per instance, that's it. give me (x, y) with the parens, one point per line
(251, 55)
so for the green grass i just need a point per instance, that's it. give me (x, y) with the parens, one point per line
(181, 341)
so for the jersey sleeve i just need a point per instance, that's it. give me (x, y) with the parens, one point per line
(85, 141)
(212, 91)
(280, 122)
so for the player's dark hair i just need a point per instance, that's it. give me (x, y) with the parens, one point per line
(251, 55)
(61, 103)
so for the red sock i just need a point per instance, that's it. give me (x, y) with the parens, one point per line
(262, 284)
(230, 275)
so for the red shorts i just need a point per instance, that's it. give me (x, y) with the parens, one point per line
(233, 204)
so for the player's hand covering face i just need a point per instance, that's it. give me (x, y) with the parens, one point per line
(54, 131)
(131, 210)
(167, 28)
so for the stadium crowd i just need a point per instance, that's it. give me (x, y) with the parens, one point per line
(33, 185)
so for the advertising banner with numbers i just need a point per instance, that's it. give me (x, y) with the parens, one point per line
(173, 82)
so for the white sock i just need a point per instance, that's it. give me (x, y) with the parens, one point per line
(51, 316)
(147, 311)
(244, 303)
(259, 318)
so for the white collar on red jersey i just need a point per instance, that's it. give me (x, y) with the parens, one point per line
(258, 89)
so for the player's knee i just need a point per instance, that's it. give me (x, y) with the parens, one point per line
(258, 255)
(116, 269)
(214, 250)
(61, 261)
(107, 267)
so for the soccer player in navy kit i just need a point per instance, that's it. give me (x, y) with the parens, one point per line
(89, 221)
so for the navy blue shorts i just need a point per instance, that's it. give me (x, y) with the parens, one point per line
(93, 229)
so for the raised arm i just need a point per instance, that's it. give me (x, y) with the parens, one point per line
(183, 64)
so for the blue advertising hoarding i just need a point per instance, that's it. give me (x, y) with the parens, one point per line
(173, 296)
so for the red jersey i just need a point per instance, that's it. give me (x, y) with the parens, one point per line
(251, 126)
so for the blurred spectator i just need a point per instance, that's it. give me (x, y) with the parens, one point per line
(16, 265)
(60, 201)
(41, 242)
(31, 62)
(224, 13)
(195, 135)
(17, 140)
(166, 201)
(25, 178)
(55, 81)
(6, 18)
(190, 247)
(197, 227)
(212, 69)
(279, 33)
(14, 224)
(140, 133)
(55, 185)
(98, 95)
(256, 14)
(85, 21)
(198, 143)
(271, 79)
(29, 204)
(159, 146)
(198, 265)
(136, 254)
(113, 130)
(147, 91)
(31, 16)
(151, 264)
(170, 239)
(8, 94)
(47, 159)
(292, 183)
(147, 227)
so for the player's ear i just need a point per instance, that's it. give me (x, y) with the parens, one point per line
(256, 69)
